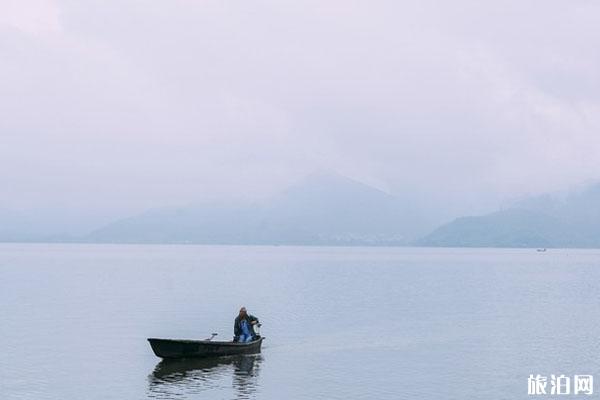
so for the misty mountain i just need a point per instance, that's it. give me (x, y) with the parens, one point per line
(14, 226)
(33, 226)
(49, 224)
(551, 220)
(323, 209)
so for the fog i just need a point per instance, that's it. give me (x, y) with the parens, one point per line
(114, 107)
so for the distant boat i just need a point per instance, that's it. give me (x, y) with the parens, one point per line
(174, 348)
(541, 250)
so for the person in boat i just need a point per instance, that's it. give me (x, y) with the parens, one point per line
(243, 328)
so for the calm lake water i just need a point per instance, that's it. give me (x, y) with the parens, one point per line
(341, 323)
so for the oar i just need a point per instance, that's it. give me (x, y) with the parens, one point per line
(212, 335)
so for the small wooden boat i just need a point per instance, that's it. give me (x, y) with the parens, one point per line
(173, 348)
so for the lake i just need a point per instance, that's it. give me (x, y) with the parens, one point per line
(340, 323)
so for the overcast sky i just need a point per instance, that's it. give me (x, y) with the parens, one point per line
(124, 105)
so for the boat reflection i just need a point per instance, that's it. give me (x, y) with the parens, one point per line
(174, 378)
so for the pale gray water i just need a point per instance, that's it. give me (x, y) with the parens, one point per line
(341, 323)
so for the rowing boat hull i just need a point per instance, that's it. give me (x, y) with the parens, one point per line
(173, 348)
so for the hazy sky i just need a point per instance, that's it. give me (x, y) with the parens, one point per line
(124, 105)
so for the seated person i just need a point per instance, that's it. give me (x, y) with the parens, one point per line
(243, 328)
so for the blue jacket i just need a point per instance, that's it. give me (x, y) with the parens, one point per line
(237, 325)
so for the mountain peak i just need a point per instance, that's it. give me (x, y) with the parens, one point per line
(323, 208)
(330, 183)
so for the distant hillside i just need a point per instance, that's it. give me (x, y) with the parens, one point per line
(17, 226)
(14, 226)
(551, 220)
(323, 209)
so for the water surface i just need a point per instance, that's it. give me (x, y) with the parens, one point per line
(341, 323)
